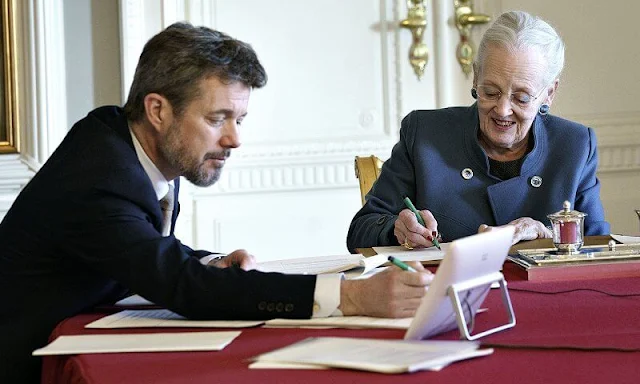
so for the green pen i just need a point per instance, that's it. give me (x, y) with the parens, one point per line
(400, 264)
(413, 209)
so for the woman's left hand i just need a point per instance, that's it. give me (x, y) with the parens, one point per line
(526, 229)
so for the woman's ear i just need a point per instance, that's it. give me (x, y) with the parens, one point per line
(475, 75)
(551, 91)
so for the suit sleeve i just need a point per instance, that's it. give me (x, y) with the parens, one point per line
(114, 232)
(373, 225)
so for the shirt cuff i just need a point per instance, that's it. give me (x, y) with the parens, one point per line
(326, 297)
(207, 259)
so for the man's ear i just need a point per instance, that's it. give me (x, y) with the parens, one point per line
(158, 111)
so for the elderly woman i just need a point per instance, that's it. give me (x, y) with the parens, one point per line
(503, 160)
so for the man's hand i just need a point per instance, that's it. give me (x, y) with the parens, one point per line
(238, 258)
(390, 293)
(526, 229)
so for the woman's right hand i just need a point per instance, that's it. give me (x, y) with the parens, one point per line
(526, 229)
(411, 234)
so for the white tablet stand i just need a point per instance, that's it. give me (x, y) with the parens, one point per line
(482, 281)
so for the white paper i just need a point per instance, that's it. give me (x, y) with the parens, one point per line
(162, 318)
(151, 342)
(317, 265)
(385, 356)
(274, 365)
(270, 365)
(416, 254)
(624, 239)
(134, 300)
(360, 274)
(340, 322)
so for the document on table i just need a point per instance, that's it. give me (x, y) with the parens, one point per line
(317, 265)
(134, 301)
(625, 239)
(147, 318)
(270, 365)
(340, 322)
(151, 342)
(416, 254)
(376, 355)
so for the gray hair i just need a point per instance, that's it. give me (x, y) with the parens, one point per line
(520, 30)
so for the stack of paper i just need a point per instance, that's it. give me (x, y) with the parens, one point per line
(134, 301)
(162, 318)
(152, 342)
(340, 322)
(626, 239)
(384, 356)
(417, 254)
(317, 265)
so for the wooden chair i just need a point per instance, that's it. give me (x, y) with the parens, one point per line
(367, 172)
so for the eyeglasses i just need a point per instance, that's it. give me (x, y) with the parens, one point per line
(520, 99)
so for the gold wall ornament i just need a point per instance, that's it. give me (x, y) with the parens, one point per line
(465, 20)
(9, 132)
(416, 22)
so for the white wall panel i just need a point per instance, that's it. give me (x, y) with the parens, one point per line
(277, 225)
(339, 83)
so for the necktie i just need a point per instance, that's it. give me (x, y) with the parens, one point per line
(166, 205)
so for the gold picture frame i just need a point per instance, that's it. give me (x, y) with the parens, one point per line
(9, 128)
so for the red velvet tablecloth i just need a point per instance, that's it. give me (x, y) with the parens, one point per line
(596, 324)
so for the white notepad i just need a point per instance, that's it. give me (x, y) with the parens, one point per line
(340, 322)
(133, 301)
(151, 342)
(384, 356)
(318, 265)
(146, 318)
(416, 254)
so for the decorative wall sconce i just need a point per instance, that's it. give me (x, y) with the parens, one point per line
(465, 19)
(9, 130)
(416, 22)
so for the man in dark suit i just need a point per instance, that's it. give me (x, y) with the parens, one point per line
(88, 228)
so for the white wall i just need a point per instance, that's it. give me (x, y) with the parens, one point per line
(294, 181)
(92, 56)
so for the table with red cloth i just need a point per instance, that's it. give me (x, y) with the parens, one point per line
(584, 331)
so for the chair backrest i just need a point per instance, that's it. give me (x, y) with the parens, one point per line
(367, 172)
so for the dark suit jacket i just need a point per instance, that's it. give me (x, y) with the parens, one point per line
(87, 229)
(436, 146)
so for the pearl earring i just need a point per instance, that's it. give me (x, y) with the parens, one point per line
(544, 109)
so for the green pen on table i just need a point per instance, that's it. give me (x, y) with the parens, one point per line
(400, 264)
(413, 209)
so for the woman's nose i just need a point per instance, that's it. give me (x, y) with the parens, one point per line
(503, 105)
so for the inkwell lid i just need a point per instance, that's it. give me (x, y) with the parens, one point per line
(566, 214)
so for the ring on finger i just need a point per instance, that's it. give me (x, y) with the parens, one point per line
(406, 243)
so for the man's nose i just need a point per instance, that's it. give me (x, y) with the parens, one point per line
(230, 135)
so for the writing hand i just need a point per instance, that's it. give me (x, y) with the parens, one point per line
(407, 229)
(391, 293)
(238, 258)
